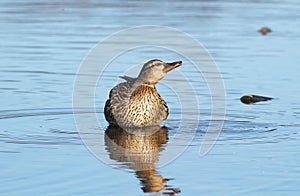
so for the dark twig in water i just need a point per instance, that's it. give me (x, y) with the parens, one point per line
(250, 99)
(265, 30)
(270, 130)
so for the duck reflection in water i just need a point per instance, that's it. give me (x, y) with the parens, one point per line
(138, 149)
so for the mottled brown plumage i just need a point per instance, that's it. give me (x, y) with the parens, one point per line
(136, 103)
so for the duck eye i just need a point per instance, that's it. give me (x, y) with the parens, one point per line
(154, 65)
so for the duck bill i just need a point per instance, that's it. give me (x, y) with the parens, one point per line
(170, 66)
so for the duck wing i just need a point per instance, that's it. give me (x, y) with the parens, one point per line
(118, 97)
(128, 78)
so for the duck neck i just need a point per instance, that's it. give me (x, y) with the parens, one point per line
(139, 82)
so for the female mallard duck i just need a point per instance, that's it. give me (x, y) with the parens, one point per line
(136, 103)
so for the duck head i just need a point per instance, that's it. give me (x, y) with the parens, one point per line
(155, 70)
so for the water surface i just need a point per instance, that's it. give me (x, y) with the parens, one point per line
(43, 44)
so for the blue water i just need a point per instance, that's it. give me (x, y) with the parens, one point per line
(43, 45)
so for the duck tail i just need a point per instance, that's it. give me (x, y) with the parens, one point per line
(127, 78)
